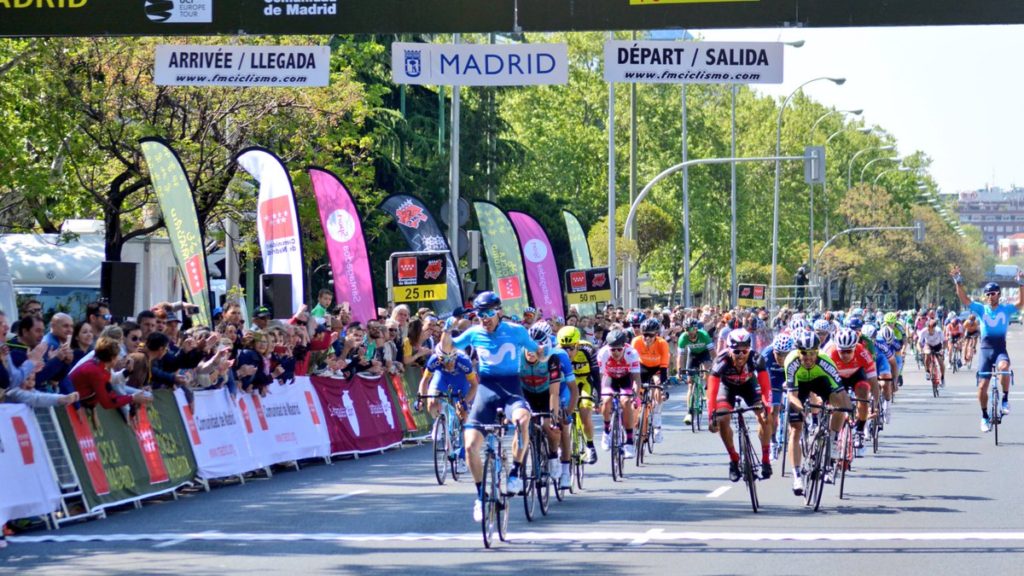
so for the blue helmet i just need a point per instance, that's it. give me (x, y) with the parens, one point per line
(991, 287)
(487, 301)
(783, 343)
(854, 323)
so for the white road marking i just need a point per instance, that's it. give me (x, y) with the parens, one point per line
(349, 495)
(646, 537)
(655, 535)
(719, 491)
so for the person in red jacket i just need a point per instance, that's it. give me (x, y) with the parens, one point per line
(736, 373)
(92, 379)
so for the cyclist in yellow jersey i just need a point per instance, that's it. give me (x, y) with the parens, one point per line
(583, 355)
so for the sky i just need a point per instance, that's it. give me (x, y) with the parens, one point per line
(954, 92)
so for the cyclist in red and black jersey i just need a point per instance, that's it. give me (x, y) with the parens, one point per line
(738, 373)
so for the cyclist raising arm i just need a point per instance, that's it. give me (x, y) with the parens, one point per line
(995, 320)
(499, 346)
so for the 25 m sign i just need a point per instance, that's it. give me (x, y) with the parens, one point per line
(419, 276)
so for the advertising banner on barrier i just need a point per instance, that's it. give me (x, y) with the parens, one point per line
(29, 488)
(662, 62)
(360, 415)
(278, 216)
(580, 253)
(479, 64)
(242, 66)
(539, 260)
(118, 461)
(285, 425)
(346, 245)
(217, 434)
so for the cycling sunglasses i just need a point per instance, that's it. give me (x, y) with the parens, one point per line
(488, 313)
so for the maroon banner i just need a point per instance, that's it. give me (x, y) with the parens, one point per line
(360, 415)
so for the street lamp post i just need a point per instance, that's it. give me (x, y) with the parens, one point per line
(884, 172)
(872, 161)
(824, 185)
(849, 167)
(778, 174)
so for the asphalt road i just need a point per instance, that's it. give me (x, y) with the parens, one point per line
(939, 498)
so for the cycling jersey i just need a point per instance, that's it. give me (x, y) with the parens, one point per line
(883, 355)
(867, 343)
(822, 378)
(538, 376)
(932, 339)
(455, 381)
(994, 322)
(859, 368)
(971, 328)
(697, 346)
(499, 351)
(616, 373)
(726, 381)
(654, 356)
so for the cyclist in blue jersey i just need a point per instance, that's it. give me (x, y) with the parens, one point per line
(498, 345)
(545, 376)
(995, 320)
(774, 357)
(448, 372)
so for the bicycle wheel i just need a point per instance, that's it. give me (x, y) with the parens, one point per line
(701, 404)
(649, 437)
(784, 427)
(440, 436)
(876, 408)
(503, 498)
(994, 411)
(616, 447)
(455, 434)
(643, 434)
(489, 498)
(845, 447)
(581, 465)
(576, 457)
(693, 408)
(545, 480)
(749, 473)
(824, 462)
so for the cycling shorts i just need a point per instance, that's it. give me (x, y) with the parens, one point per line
(698, 359)
(623, 385)
(542, 402)
(850, 384)
(647, 374)
(776, 397)
(749, 392)
(899, 363)
(989, 357)
(822, 386)
(493, 393)
(586, 389)
(936, 350)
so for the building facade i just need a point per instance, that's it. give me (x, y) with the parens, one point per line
(998, 213)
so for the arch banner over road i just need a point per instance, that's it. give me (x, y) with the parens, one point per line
(285, 17)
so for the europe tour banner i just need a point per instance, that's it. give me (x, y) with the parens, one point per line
(119, 461)
(346, 245)
(504, 261)
(423, 234)
(580, 253)
(174, 193)
(539, 260)
(278, 229)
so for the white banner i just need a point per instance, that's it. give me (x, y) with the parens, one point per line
(278, 228)
(217, 434)
(29, 488)
(242, 66)
(288, 424)
(654, 62)
(479, 64)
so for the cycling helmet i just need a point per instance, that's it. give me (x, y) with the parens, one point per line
(798, 325)
(890, 318)
(529, 310)
(636, 318)
(846, 339)
(991, 287)
(854, 323)
(869, 331)
(807, 340)
(540, 332)
(869, 319)
(487, 301)
(616, 338)
(783, 343)
(887, 334)
(691, 323)
(445, 356)
(650, 326)
(739, 338)
(858, 312)
(568, 336)
(822, 326)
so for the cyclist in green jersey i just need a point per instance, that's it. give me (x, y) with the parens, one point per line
(699, 344)
(808, 371)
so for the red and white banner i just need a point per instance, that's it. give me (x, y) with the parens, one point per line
(278, 229)
(29, 488)
(217, 433)
(360, 415)
(288, 424)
